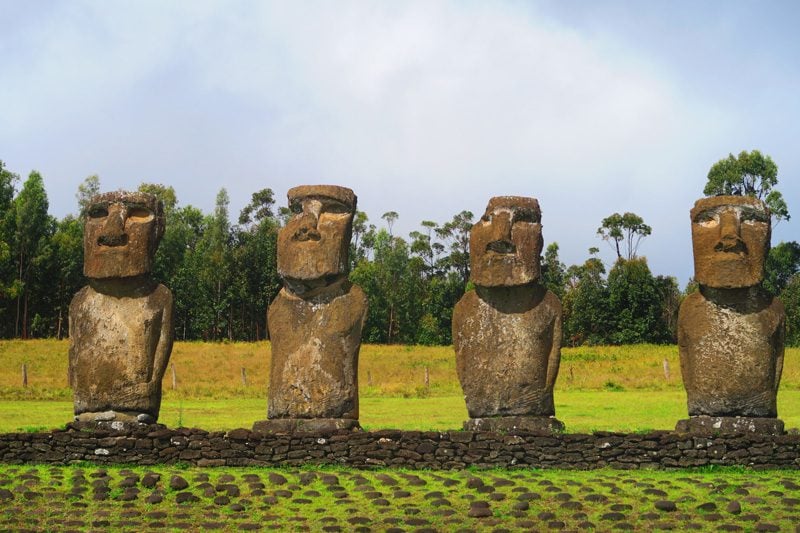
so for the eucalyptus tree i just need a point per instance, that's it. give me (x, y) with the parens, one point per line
(627, 229)
(748, 174)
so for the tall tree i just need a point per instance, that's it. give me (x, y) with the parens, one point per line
(8, 182)
(260, 208)
(32, 224)
(217, 244)
(357, 249)
(783, 262)
(66, 248)
(390, 217)
(457, 231)
(587, 317)
(554, 272)
(790, 296)
(165, 193)
(254, 259)
(636, 304)
(88, 188)
(749, 174)
(628, 229)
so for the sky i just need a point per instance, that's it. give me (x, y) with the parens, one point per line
(423, 108)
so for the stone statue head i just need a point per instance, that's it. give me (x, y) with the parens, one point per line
(121, 233)
(315, 242)
(730, 240)
(505, 244)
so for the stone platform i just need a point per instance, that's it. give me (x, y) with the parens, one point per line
(730, 425)
(307, 425)
(503, 424)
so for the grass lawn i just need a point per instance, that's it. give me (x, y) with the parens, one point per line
(581, 411)
(95, 498)
(612, 388)
(623, 388)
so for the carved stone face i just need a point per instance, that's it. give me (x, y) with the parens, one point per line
(730, 239)
(506, 242)
(315, 243)
(121, 233)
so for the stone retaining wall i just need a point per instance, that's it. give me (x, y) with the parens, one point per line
(407, 449)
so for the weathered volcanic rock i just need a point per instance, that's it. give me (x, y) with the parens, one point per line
(730, 332)
(507, 332)
(315, 322)
(121, 328)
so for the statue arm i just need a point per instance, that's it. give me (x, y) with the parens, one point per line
(165, 339)
(554, 359)
(780, 335)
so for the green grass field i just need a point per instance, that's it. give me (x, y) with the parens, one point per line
(610, 388)
(622, 389)
(93, 498)
(581, 411)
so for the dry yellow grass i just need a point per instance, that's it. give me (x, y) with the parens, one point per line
(214, 370)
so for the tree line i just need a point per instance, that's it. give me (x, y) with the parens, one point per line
(223, 275)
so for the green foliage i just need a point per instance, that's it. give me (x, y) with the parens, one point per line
(259, 208)
(456, 233)
(628, 228)
(790, 296)
(783, 262)
(587, 315)
(30, 248)
(86, 190)
(749, 174)
(636, 304)
(554, 272)
(164, 193)
(632, 306)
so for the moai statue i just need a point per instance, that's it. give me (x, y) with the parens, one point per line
(120, 325)
(315, 321)
(507, 332)
(730, 332)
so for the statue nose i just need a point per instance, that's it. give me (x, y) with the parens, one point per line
(113, 233)
(729, 224)
(307, 230)
(729, 238)
(501, 226)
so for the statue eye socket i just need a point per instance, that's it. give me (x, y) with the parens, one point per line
(335, 207)
(706, 217)
(140, 214)
(753, 215)
(525, 215)
(98, 211)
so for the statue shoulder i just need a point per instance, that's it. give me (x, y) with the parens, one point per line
(357, 293)
(776, 306)
(552, 302)
(692, 301)
(162, 293)
(79, 298)
(468, 300)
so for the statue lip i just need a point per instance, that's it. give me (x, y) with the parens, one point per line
(737, 247)
(501, 247)
(113, 240)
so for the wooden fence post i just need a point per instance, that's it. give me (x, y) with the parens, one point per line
(666, 369)
(24, 375)
(244, 376)
(174, 377)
